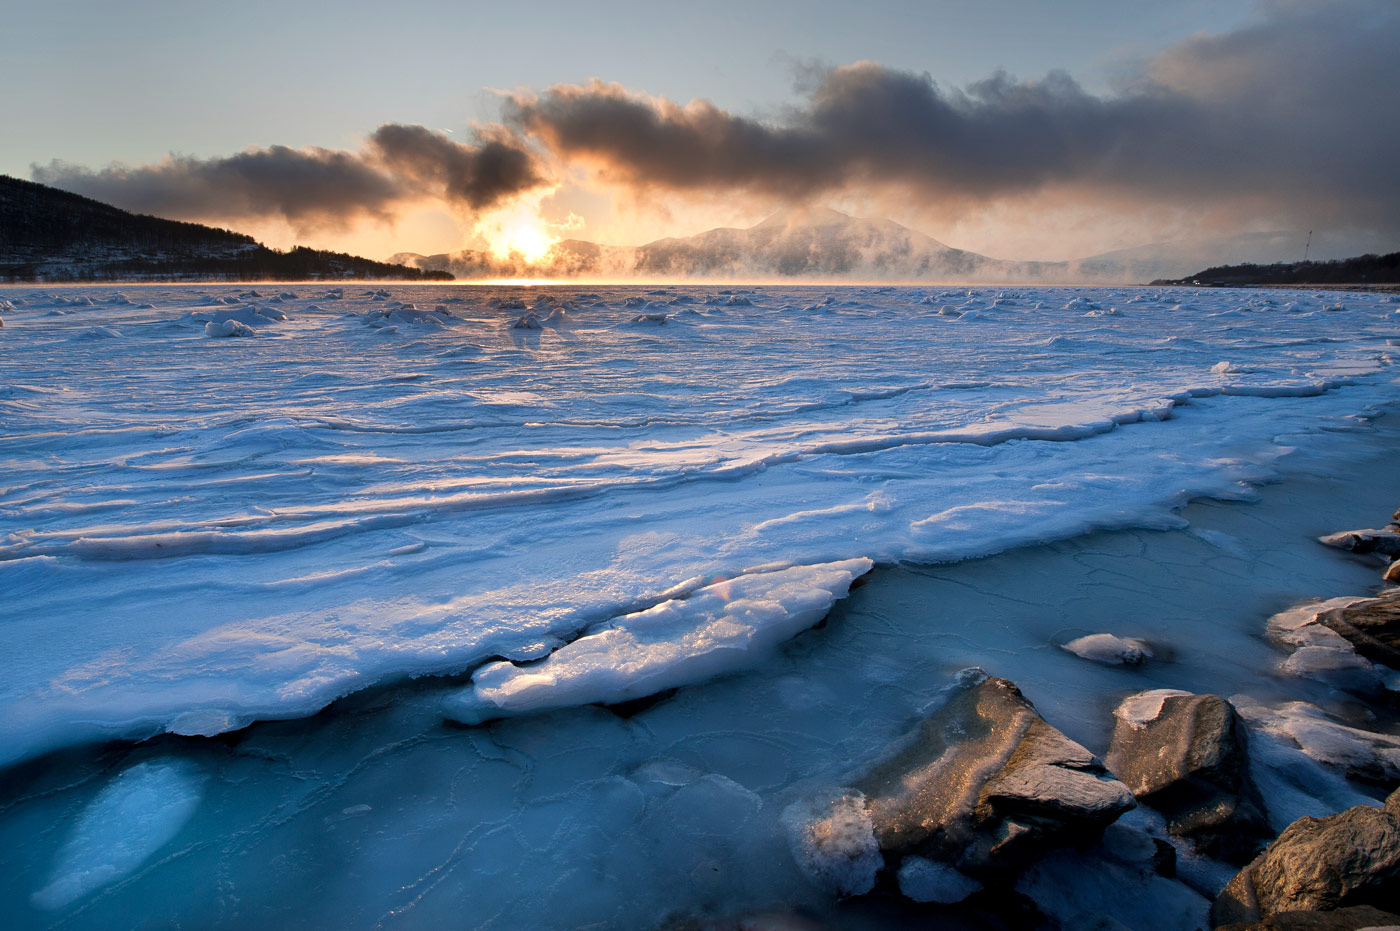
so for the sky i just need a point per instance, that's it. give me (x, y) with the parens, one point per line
(1015, 128)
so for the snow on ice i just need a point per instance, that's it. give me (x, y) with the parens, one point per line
(231, 529)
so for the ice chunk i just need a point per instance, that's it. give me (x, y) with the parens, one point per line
(687, 639)
(394, 315)
(228, 328)
(928, 881)
(132, 818)
(1337, 665)
(835, 843)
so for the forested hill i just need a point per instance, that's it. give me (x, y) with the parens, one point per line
(52, 235)
(1361, 270)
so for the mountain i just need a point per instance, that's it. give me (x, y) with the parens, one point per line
(52, 235)
(796, 243)
(1179, 258)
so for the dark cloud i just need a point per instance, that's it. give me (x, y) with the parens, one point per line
(306, 186)
(478, 176)
(313, 187)
(1294, 114)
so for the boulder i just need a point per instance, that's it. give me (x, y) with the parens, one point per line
(1393, 573)
(1321, 864)
(984, 785)
(1187, 756)
(1356, 918)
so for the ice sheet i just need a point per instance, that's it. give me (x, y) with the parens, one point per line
(392, 482)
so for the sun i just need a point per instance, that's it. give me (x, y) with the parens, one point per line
(517, 230)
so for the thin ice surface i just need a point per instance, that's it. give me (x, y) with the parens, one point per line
(198, 531)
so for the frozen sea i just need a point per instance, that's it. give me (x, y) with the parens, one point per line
(552, 556)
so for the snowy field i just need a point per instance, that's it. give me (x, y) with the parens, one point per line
(224, 505)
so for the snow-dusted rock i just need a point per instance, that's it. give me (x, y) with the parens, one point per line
(1110, 650)
(1335, 641)
(1363, 754)
(1188, 758)
(1385, 542)
(984, 786)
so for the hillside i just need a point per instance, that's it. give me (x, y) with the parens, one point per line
(1360, 270)
(51, 235)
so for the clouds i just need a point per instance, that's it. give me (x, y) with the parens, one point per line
(306, 186)
(1288, 121)
(477, 176)
(1292, 114)
(314, 187)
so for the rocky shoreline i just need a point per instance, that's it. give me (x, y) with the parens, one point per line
(986, 815)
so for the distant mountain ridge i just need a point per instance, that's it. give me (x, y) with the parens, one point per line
(47, 234)
(821, 243)
(814, 242)
(51, 235)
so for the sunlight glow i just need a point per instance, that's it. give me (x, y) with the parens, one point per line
(517, 230)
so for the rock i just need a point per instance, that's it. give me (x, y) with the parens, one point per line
(1366, 755)
(1327, 639)
(1393, 573)
(1188, 759)
(1319, 864)
(1385, 542)
(1110, 650)
(1356, 918)
(1372, 625)
(983, 784)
